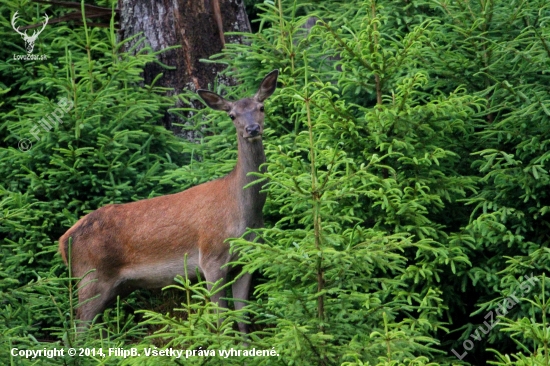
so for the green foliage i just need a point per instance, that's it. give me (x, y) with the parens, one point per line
(407, 178)
(352, 184)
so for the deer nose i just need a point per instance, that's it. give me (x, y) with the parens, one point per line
(253, 130)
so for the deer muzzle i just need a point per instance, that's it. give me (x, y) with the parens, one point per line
(253, 130)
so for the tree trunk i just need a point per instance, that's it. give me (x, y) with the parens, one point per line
(192, 24)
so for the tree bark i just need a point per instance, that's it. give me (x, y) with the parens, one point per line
(193, 25)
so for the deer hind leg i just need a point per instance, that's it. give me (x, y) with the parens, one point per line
(241, 288)
(94, 296)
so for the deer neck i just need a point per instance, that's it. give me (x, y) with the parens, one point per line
(250, 156)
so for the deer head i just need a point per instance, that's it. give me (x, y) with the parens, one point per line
(248, 113)
(29, 40)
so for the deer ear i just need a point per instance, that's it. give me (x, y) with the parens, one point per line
(214, 101)
(267, 87)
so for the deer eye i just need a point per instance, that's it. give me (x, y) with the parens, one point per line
(232, 116)
(261, 108)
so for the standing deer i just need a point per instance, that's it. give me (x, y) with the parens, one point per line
(29, 40)
(122, 247)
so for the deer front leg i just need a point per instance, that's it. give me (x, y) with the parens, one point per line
(241, 288)
(213, 273)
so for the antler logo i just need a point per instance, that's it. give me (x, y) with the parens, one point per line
(29, 40)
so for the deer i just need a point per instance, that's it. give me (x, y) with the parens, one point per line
(119, 248)
(29, 40)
